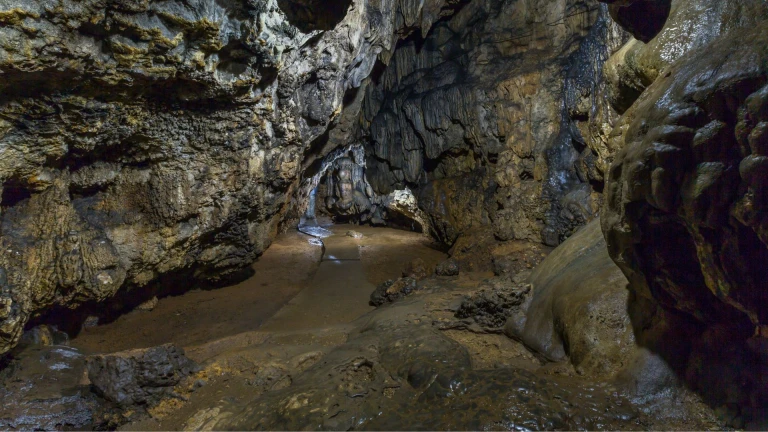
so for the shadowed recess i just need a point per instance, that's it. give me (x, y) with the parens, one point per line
(311, 15)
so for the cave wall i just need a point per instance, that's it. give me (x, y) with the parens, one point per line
(497, 119)
(148, 138)
(685, 198)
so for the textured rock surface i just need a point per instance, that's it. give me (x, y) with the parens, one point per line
(139, 377)
(501, 300)
(692, 24)
(394, 374)
(139, 139)
(497, 118)
(578, 307)
(44, 388)
(686, 217)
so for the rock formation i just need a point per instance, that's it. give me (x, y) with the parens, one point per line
(497, 117)
(140, 377)
(685, 198)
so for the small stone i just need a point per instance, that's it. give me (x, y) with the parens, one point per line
(416, 269)
(449, 267)
(355, 234)
(148, 305)
(91, 321)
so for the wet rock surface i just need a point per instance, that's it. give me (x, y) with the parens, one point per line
(688, 175)
(46, 388)
(389, 375)
(407, 365)
(395, 370)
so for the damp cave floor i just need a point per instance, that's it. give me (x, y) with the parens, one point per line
(294, 287)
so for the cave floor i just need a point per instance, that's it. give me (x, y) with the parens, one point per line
(293, 287)
(298, 347)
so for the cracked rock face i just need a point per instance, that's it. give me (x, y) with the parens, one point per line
(142, 138)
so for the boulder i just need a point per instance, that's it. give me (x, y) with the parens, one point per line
(578, 308)
(141, 377)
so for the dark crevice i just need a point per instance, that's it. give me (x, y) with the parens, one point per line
(14, 193)
(311, 15)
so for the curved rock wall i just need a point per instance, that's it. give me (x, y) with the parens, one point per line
(497, 117)
(685, 214)
(142, 138)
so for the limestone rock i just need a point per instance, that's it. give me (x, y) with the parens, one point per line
(347, 193)
(685, 215)
(578, 308)
(141, 377)
(493, 306)
(497, 118)
(690, 25)
(139, 139)
(355, 234)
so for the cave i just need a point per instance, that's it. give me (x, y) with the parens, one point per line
(384, 215)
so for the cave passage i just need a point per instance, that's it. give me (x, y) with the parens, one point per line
(384, 215)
